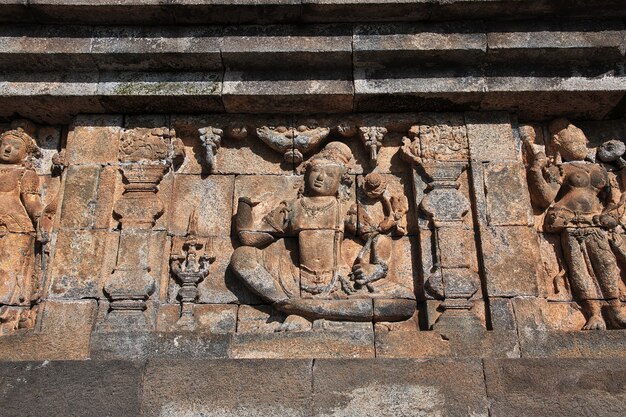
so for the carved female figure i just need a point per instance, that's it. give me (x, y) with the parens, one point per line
(311, 285)
(20, 209)
(581, 206)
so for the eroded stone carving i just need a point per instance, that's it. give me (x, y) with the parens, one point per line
(293, 142)
(23, 222)
(294, 259)
(210, 138)
(190, 267)
(582, 204)
(452, 279)
(145, 156)
(372, 137)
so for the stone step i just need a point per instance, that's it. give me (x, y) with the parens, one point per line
(160, 12)
(55, 97)
(35, 48)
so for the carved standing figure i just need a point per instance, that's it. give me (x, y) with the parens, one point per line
(306, 281)
(581, 205)
(20, 210)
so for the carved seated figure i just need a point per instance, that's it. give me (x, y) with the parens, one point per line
(20, 209)
(582, 205)
(306, 282)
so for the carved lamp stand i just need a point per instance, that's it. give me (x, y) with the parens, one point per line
(189, 271)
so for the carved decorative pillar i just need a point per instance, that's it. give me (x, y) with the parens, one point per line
(452, 280)
(145, 155)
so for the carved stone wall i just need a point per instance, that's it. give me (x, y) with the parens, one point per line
(313, 208)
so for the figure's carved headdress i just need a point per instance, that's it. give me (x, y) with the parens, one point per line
(335, 153)
(32, 149)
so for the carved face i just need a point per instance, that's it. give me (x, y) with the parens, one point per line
(12, 150)
(323, 179)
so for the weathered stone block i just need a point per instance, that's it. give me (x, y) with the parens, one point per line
(156, 47)
(275, 92)
(80, 263)
(79, 197)
(213, 195)
(397, 44)
(158, 345)
(64, 334)
(539, 314)
(507, 198)
(258, 319)
(210, 318)
(587, 344)
(303, 345)
(233, 388)
(398, 388)
(432, 344)
(491, 137)
(511, 261)
(45, 47)
(94, 139)
(563, 387)
(71, 388)
(295, 46)
(107, 190)
(502, 312)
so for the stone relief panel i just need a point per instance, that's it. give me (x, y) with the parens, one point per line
(28, 205)
(254, 224)
(576, 187)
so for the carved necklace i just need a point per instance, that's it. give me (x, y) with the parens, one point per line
(312, 210)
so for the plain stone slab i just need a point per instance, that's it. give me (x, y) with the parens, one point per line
(391, 45)
(150, 48)
(510, 260)
(70, 388)
(287, 46)
(63, 335)
(158, 345)
(433, 344)
(556, 387)
(303, 345)
(214, 388)
(577, 344)
(278, 92)
(398, 388)
(45, 48)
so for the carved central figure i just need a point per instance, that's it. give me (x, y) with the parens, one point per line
(318, 218)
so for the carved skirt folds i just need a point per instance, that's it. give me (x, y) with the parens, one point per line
(593, 269)
(17, 269)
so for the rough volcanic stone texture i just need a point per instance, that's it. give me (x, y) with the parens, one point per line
(556, 387)
(398, 388)
(86, 389)
(244, 388)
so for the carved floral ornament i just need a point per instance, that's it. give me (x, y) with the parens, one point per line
(293, 142)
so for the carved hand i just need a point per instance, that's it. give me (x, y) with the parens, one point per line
(367, 273)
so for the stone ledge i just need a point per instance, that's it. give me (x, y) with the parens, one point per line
(390, 387)
(159, 12)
